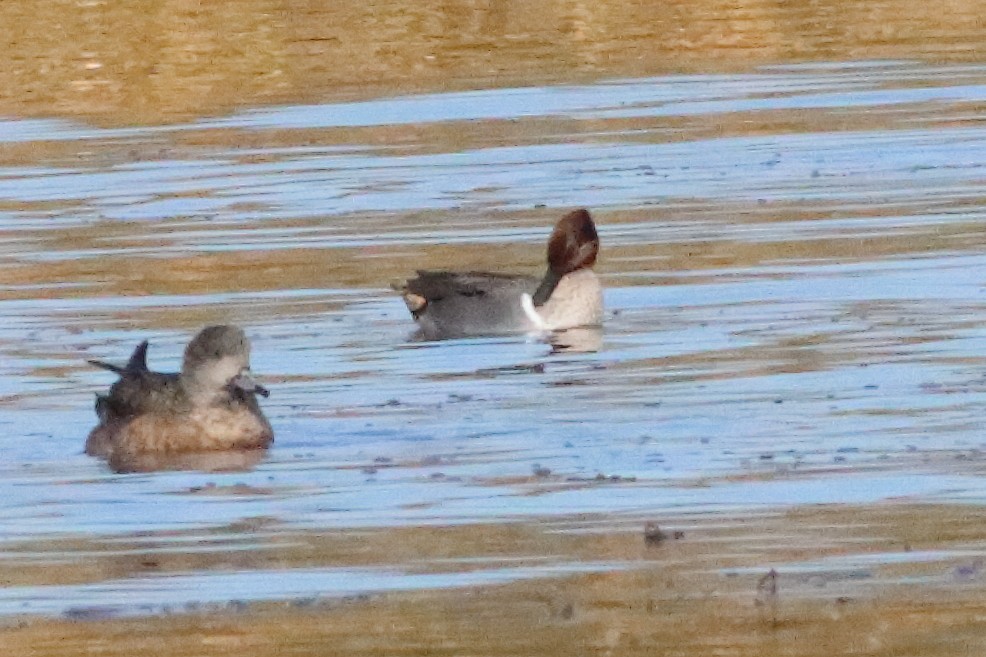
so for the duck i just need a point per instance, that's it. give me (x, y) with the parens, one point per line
(458, 304)
(209, 406)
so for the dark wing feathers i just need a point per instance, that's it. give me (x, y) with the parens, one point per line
(138, 389)
(436, 285)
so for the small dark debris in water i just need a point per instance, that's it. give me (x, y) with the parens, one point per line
(368, 470)
(704, 441)
(766, 457)
(571, 382)
(600, 477)
(652, 404)
(616, 313)
(839, 459)
(389, 403)
(871, 386)
(539, 206)
(198, 489)
(356, 597)
(778, 401)
(568, 445)
(654, 535)
(455, 397)
(614, 478)
(847, 450)
(537, 368)
(540, 472)
(383, 459)
(968, 571)
(301, 603)
(437, 475)
(767, 587)
(93, 613)
(767, 597)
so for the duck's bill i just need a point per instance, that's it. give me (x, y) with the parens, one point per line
(245, 382)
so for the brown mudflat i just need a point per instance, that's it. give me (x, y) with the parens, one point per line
(693, 594)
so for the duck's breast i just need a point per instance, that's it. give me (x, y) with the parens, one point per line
(100, 440)
(577, 300)
(202, 429)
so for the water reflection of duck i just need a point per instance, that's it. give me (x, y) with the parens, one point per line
(452, 304)
(209, 407)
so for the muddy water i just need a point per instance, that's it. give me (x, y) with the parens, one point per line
(793, 256)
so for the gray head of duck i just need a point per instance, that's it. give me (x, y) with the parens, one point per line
(217, 364)
(573, 245)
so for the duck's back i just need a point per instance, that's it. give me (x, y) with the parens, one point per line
(136, 393)
(447, 303)
(145, 392)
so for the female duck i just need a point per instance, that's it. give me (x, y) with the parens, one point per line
(210, 406)
(453, 304)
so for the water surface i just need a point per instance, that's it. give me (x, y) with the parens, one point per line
(792, 257)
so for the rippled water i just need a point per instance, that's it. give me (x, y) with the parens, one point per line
(793, 261)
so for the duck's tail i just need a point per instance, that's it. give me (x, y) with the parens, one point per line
(137, 362)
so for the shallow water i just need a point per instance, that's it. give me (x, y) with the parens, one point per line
(793, 260)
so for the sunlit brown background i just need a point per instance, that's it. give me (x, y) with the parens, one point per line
(149, 61)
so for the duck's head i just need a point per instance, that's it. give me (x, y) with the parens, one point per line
(573, 245)
(217, 362)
